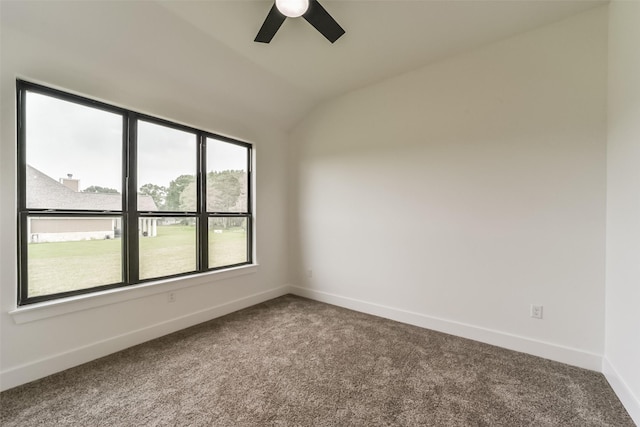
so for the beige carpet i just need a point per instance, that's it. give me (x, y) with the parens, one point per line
(296, 362)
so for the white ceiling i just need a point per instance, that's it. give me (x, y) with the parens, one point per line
(206, 48)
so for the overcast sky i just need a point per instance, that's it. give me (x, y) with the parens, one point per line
(66, 138)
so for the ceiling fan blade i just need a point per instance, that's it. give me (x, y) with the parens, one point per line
(320, 18)
(270, 26)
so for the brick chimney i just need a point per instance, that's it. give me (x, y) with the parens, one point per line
(71, 183)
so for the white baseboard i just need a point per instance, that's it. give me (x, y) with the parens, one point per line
(559, 353)
(41, 368)
(622, 390)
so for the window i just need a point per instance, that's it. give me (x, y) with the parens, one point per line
(108, 197)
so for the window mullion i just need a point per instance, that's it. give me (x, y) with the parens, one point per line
(132, 215)
(203, 222)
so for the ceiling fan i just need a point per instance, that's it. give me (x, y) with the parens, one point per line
(310, 10)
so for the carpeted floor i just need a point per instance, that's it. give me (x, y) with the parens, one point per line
(296, 362)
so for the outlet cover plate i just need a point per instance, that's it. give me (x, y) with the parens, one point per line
(536, 311)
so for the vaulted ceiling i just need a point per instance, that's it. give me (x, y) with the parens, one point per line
(205, 51)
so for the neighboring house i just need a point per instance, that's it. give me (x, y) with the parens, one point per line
(47, 193)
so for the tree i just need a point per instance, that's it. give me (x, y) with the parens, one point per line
(157, 192)
(223, 190)
(188, 200)
(227, 192)
(242, 201)
(98, 189)
(176, 187)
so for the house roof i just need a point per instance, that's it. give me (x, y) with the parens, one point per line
(44, 192)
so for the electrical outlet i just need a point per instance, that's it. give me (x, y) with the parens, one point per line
(172, 297)
(536, 311)
(309, 274)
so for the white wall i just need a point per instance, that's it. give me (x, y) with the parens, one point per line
(455, 196)
(98, 326)
(622, 349)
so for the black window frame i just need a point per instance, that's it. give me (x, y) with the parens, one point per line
(129, 214)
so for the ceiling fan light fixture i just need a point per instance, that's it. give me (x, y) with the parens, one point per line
(311, 10)
(292, 8)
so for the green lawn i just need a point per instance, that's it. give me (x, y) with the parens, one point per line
(67, 266)
(172, 251)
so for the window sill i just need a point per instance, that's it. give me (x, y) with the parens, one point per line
(74, 304)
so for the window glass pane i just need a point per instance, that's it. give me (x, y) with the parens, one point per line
(72, 253)
(227, 185)
(227, 241)
(166, 168)
(73, 154)
(167, 246)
